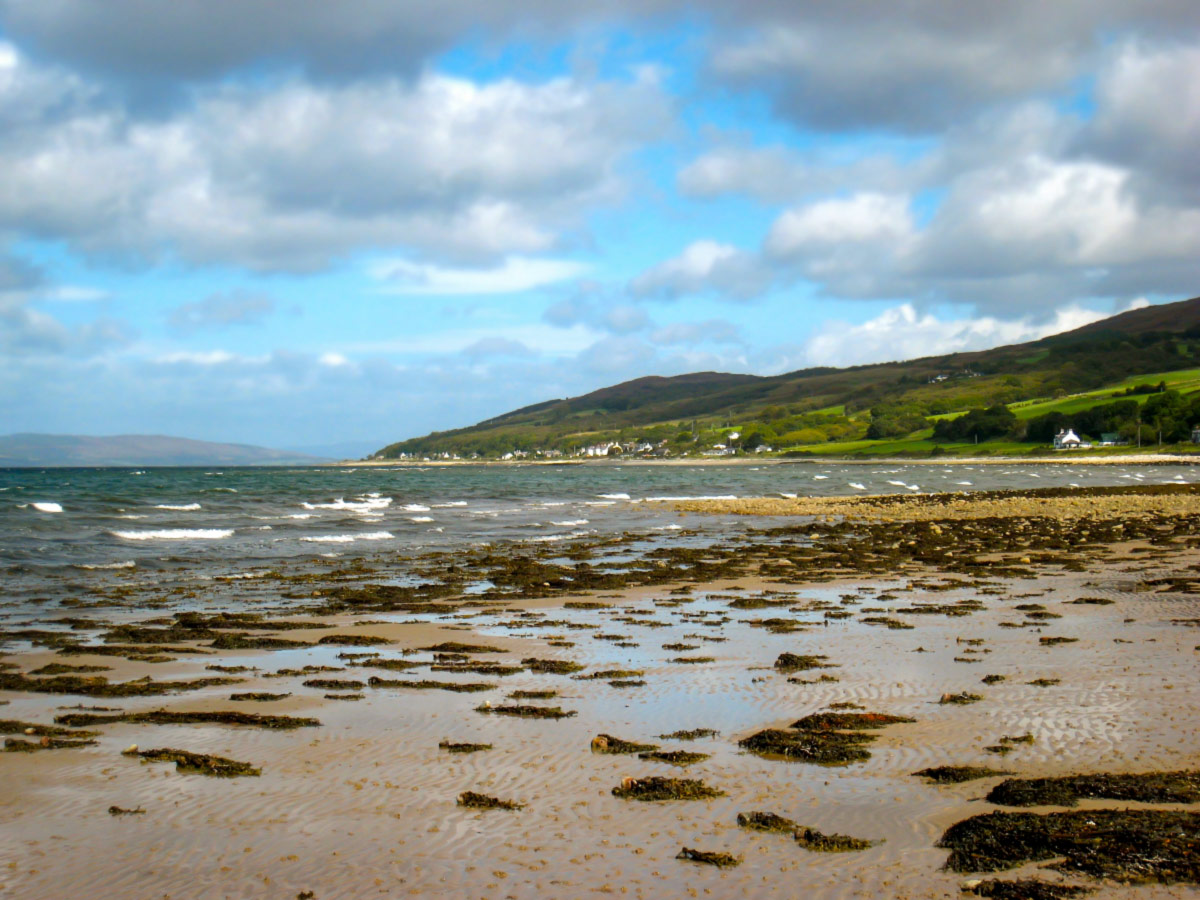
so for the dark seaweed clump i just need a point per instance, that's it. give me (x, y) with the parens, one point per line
(527, 712)
(765, 821)
(255, 642)
(720, 860)
(655, 788)
(533, 695)
(200, 763)
(261, 696)
(1152, 787)
(355, 640)
(425, 685)
(957, 774)
(811, 839)
(552, 666)
(334, 684)
(15, 726)
(1025, 889)
(674, 757)
(15, 745)
(457, 647)
(959, 699)
(606, 743)
(793, 662)
(472, 800)
(452, 747)
(99, 686)
(120, 811)
(690, 734)
(168, 717)
(825, 738)
(1136, 846)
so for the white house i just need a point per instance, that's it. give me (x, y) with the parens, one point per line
(1067, 439)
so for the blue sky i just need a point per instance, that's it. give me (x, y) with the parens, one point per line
(362, 221)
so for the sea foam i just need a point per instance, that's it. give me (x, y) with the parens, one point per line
(176, 534)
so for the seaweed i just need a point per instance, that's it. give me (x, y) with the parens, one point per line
(626, 682)
(426, 685)
(692, 660)
(606, 743)
(674, 757)
(199, 763)
(711, 858)
(958, 774)
(239, 641)
(655, 788)
(1055, 641)
(811, 839)
(1025, 889)
(533, 695)
(1092, 601)
(765, 821)
(452, 747)
(258, 695)
(457, 647)
(16, 745)
(832, 748)
(680, 647)
(689, 735)
(993, 679)
(14, 726)
(527, 712)
(99, 686)
(472, 800)
(334, 684)
(1136, 846)
(792, 662)
(343, 696)
(64, 669)
(830, 721)
(1045, 682)
(961, 699)
(1150, 787)
(552, 666)
(355, 640)
(169, 717)
(609, 674)
(119, 811)
(478, 668)
(392, 665)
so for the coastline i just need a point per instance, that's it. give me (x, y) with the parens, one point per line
(1067, 457)
(900, 600)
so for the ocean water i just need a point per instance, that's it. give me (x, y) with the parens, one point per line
(63, 530)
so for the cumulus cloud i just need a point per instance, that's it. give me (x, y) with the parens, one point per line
(513, 275)
(221, 310)
(704, 265)
(903, 333)
(294, 176)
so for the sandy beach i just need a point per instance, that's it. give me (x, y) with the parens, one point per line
(1070, 616)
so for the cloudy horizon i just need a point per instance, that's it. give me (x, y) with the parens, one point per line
(361, 222)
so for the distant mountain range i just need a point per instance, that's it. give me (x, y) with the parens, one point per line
(824, 405)
(37, 450)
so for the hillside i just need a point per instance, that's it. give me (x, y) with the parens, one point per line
(814, 407)
(35, 450)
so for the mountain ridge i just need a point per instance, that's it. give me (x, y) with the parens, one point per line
(36, 450)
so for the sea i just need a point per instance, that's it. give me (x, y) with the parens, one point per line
(66, 531)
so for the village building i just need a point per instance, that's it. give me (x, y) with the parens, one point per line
(1067, 439)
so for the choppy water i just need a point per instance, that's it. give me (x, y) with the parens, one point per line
(61, 529)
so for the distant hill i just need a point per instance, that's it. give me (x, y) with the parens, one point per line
(822, 405)
(24, 450)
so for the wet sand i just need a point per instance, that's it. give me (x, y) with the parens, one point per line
(365, 804)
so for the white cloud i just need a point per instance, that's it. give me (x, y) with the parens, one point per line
(902, 333)
(704, 265)
(295, 176)
(513, 275)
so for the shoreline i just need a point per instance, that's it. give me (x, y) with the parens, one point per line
(1079, 600)
(1067, 457)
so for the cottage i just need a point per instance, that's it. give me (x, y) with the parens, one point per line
(1196, 435)
(1067, 439)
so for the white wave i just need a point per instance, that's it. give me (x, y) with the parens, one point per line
(47, 507)
(221, 490)
(176, 534)
(668, 528)
(820, 477)
(347, 538)
(965, 483)
(614, 496)
(786, 496)
(857, 486)
(299, 516)
(366, 504)
(130, 516)
(182, 507)
(420, 519)
(571, 523)
(415, 507)
(450, 504)
(898, 483)
(600, 503)
(125, 564)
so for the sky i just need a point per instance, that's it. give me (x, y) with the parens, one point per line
(307, 224)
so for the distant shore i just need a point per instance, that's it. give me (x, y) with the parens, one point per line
(1066, 458)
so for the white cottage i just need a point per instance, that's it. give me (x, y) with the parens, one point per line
(1067, 439)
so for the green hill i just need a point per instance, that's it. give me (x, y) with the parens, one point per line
(861, 408)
